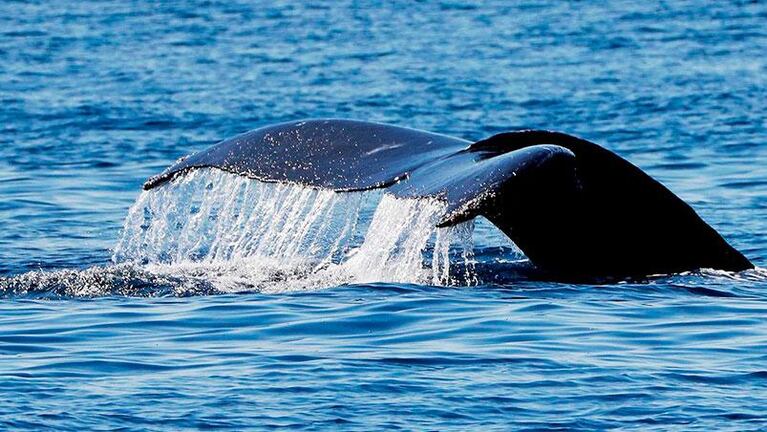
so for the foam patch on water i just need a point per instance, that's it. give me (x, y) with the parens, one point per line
(121, 279)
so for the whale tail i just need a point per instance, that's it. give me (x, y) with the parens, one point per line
(600, 215)
(577, 210)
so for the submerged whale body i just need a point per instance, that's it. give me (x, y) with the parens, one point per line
(577, 210)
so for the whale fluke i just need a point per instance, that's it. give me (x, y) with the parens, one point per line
(342, 155)
(577, 210)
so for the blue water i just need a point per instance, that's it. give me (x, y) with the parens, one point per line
(97, 96)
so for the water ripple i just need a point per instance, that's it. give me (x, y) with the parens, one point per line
(97, 97)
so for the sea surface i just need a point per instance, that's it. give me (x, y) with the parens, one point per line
(216, 302)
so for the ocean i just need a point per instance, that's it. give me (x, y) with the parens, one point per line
(218, 302)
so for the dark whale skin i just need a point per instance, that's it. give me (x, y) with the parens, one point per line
(577, 210)
(606, 219)
(343, 155)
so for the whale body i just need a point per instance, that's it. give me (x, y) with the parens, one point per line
(577, 210)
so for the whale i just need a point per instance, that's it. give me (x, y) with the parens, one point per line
(577, 210)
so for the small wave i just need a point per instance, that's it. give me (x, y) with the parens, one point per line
(122, 279)
(756, 274)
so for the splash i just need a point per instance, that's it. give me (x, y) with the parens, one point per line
(121, 279)
(213, 217)
(238, 234)
(463, 235)
(395, 240)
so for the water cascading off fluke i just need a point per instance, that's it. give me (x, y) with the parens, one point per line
(243, 233)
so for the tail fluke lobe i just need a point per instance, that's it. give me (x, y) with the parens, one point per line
(472, 182)
(617, 221)
(342, 155)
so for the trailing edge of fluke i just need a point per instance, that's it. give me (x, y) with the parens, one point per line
(577, 210)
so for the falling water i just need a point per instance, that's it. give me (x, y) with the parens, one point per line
(241, 234)
(211, 216)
